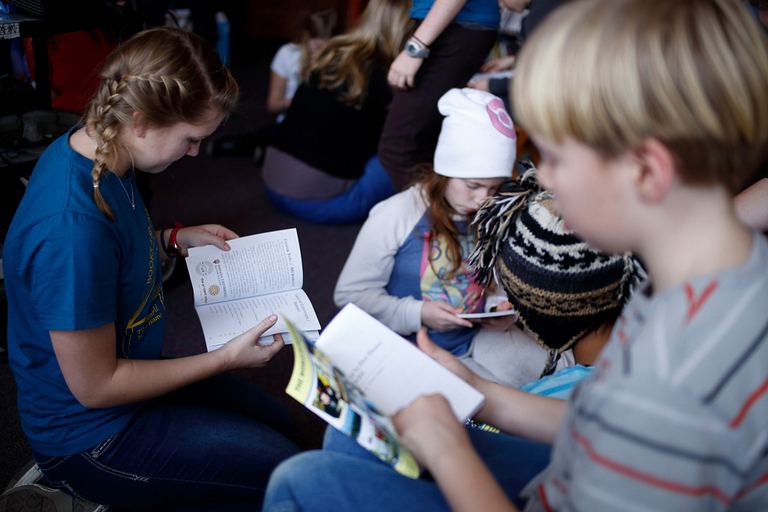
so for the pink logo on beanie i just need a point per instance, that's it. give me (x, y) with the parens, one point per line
(500, 119)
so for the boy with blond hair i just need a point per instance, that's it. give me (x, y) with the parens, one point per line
(648, 116)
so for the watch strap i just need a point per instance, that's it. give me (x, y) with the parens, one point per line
(163, 245)
(422, 43)
(173, 248)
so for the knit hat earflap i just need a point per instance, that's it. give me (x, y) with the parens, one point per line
(559, 285)
(477, 139)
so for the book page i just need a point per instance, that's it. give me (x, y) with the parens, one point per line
(270, 339)
(389, 369)
(317, 384)
(255, 265)
(223, 321)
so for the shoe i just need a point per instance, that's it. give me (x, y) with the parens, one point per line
(37, 498)
(28, 491)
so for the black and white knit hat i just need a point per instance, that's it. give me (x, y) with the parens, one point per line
(560, 286)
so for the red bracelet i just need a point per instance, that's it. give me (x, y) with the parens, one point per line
(173, 248)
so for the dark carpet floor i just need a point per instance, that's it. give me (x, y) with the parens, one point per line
(227, 190)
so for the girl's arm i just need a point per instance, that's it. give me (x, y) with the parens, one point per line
(430, 431)
(368, 269)
(97, 378)
(276, 100)
(511, 410)
(404, 68)
(196, 236)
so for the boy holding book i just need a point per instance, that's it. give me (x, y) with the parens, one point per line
(648, 115)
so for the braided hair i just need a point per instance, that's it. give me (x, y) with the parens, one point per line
(167, 76)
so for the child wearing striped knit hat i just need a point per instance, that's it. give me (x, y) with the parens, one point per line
(567, 294)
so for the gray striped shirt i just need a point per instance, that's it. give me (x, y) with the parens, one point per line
(675, 415)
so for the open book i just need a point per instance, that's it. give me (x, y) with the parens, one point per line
(358, 373)
(260, 275)
(488, 314)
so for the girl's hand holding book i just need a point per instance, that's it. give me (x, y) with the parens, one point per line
(441, 316)
(244, 351)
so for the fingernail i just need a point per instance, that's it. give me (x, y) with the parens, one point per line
(272, 318)
(226, 246)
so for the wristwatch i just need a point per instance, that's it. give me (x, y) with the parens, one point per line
(415, 50)
(173, 247)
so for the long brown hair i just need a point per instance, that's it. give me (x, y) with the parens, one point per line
(318, 25)
(168, 76)
(349, 58)
(441, 214)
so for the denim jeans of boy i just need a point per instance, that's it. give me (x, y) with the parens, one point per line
(209, 446)
(344, 477)
(350, 207)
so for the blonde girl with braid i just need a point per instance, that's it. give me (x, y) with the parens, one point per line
(107, 419)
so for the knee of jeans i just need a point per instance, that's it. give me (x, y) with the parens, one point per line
(333, 437)
(287, 480)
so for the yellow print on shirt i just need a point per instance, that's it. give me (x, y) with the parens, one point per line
(138, 326)
(153, 249)
(460, 291)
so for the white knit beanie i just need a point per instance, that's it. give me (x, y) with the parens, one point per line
(478, 137)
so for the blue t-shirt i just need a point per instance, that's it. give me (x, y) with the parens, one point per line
(560, 384)
(67, 267)
(485, 12)
(413, 275)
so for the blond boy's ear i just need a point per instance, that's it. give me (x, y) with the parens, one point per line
(656, 170)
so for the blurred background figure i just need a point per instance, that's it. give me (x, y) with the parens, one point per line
(284, 79)
(321, 165)
(293, 57)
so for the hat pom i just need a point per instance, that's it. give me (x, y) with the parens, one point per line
(496, 218)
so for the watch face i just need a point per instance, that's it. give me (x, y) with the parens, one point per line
(413, 49)
(174, 250)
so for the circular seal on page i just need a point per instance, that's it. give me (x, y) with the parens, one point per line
(214, 289)
(204, 268)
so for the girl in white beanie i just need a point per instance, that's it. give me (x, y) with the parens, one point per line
(407, 267)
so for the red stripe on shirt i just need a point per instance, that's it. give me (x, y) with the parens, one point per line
(694, 304)
(543, 496)
(759, 482)
(735, 422)
(646, 478)
(559, 485)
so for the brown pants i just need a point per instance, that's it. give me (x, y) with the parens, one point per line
(413, 122)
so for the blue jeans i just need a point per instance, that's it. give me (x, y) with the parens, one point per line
(345, 477)
(350, 207)
(208, 446)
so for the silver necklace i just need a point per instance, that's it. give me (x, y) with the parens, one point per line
(131, 198)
